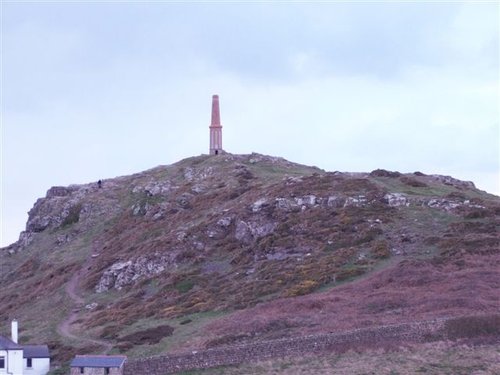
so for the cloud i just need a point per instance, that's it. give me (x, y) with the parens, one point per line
(103, 89)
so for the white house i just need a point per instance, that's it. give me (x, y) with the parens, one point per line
(18, 359)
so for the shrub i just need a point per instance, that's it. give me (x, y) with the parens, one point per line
(384, 173)
(472, 326)
(410, 181)
(476, 214)
(148, 336)
(350, 273)
(304, 287)
(184, 286)
(381, 250)
(73, 215)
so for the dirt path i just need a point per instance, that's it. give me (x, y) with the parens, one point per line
(64, 328)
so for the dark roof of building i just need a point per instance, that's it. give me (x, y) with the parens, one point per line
(8, 344)
(36, 351)
(98, 361)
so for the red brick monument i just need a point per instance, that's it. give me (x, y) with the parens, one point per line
(215, 128)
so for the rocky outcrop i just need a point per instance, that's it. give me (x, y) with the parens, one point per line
(249, 231)
(448, 180)
(124, 273)
(198, 175)
(154, 188)
(396, 199)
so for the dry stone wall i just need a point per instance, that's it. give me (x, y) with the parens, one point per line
(391, 334)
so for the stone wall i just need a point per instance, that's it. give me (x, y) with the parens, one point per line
(391, 334)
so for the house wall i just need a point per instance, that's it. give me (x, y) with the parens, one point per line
(40, 366)
(96, 371)
(13, 362)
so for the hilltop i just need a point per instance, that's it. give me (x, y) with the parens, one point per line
(228, 249)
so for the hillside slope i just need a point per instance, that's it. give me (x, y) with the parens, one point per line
(215, 250)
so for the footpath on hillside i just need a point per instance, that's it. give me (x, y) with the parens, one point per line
(65, 327)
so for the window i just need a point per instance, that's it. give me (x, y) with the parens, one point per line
(29, 362)
(2, 362)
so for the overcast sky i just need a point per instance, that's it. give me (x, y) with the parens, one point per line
(95, 90)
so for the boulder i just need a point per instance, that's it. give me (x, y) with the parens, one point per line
(396, 199)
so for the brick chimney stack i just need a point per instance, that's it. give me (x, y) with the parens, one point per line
(215, 128)
(14, 331)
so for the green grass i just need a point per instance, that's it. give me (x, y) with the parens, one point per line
(184, 286)
(432, 359)
(434, 189)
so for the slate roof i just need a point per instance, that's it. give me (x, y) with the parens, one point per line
(36, 351)
(8, 344)
(98, 361)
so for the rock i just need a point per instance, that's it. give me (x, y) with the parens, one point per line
(38, 224)
(211, 234)
(259, 204)
(154, 188)
(396, 199)
(138, 209)
(247, 232)
(184, 201)
(158, 216)
(358, 201)
(25, 238)
(293, 180)
(91, 306)
(62, 239)
(448, 180)
(443, 204)
(336, 202)
(108, 278)
(198, 189)
(260, 230)
(121, 274)
(225, 221)
(58, 191)
(242, 232)
(289, 205)
(198, 245)
(297, 203)
(308, 200)
(189, 174)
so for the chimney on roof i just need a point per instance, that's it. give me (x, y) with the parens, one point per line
(14, 331)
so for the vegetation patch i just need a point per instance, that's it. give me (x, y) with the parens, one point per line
(149, 336)
(473, 326)
(73, 215)
(184, 286)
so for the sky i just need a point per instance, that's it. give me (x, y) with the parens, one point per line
(94, 90)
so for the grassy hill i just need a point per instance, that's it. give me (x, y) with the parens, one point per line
(218, 250)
